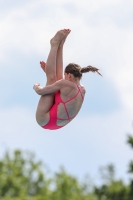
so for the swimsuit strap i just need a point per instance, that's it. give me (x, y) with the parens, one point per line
(80, 92)
(67, 114)
(75, 95)
(64, 103)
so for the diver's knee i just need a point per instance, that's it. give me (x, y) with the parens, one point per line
(51, 79)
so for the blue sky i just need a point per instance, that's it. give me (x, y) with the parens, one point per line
(101, 36)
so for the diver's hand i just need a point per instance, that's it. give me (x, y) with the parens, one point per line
(36, 87)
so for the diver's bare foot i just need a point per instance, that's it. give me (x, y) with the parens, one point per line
(43, 64)
(67, 31)
(59, 36)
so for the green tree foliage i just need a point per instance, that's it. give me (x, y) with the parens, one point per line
(130, 169)
(21, 175)
(67, 187)
(116, 190)
(111, 189)
(23, 178)
(130, 142)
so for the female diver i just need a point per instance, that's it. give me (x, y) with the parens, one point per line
(61, 98)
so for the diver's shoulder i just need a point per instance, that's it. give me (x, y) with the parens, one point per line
(83, 88)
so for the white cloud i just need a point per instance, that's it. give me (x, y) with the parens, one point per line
(28, 31)
(125, 79)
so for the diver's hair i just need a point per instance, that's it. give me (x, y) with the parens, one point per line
(77, 71)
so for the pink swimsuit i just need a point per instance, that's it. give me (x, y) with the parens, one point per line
(53, 112)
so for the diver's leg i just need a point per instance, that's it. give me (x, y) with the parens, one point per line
(59, 58)
(47, 101)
